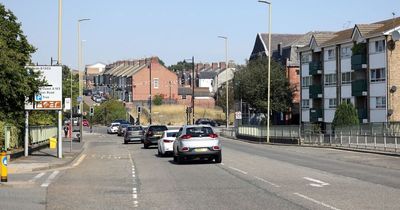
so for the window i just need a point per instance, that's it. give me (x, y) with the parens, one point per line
(305, 103)
(306, 81)
(305, 58)
(330, 79)
(380, 102)
(346, 78)
(378, 75)
(331, 54)
(379, 46)
(346, 100)
(346, 52)
(332, 103)
(156, 83)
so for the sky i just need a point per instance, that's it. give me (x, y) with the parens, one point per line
(175, 30)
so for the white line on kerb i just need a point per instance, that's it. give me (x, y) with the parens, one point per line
(49, 179)
(315, 201)
(79, 160)
(233, 168)
(268, 182)
(37, 177)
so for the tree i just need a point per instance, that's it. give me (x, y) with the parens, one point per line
(251, 86)
(158, 99)
(221, 98)
(16, 82)
(180, 66)
(345, 115)
(109, 111)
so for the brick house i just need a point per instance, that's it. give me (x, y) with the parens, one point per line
(91, 72)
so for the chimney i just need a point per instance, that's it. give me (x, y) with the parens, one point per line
(222, 65)
(199, 66)
(126, 63)
(214, 66)
(142, 62)
(154, 59)
(207, 66)
(280, 48)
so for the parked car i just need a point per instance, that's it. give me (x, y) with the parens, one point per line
(122, 128)
(206, 121)
(197, 141)
(85, 122)
(113, 128)
(165, 144)
(153, 133)
(133, 134)
(120, 121)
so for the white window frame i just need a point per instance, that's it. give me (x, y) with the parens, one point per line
(330, 79)
(347, 100)
(380, 102)
(306, 81)
(346, 78)
(382, 75)
(345, 52)
(156, 83)
(331, 54)
(305, 103)
(379, 46)
(332, 103)
(305, 58)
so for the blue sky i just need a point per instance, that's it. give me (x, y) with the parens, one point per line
(176, 29)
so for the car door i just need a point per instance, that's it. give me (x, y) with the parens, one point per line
(176, 142)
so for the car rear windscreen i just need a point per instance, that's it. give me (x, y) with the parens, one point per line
(135, 128)
(171, 134)
(199, 131)
(158, 128)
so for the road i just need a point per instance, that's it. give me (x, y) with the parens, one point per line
(111, 175)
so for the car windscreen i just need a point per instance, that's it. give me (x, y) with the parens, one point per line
(171, 134)
(124, 125)
(136, 128)
(199, 131)
(158, 128)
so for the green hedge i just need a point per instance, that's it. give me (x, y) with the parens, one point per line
(15, 138)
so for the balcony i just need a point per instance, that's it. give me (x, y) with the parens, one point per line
(315, 68)
(315, 91)
(359, 62)
(359, 88)
(362, 115)
(316, 115)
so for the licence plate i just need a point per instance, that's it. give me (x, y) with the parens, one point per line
(201, 150)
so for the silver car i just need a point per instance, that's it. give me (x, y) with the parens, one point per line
(197, 141)
(133, 134)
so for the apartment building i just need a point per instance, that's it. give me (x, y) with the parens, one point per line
(359, 65)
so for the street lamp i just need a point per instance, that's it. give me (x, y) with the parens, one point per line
(192, 83)
(226, 78)
(269, 65)
(80, 77)
(59, 145)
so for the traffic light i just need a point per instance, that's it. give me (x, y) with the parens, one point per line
(91, 113)
(139, 109)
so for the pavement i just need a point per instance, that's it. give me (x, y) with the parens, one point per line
(46, 158)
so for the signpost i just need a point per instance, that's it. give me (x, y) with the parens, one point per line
(49, 97)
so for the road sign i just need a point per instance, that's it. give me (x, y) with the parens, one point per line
(238, 115)
(4, 161)
(49, 96)
(67, 103)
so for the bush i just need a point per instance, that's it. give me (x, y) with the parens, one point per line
(158, 99)
(345, 115)
(108, 112)
(15, 138)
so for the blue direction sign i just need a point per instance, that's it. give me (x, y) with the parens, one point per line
(4, 161)
(38, 97)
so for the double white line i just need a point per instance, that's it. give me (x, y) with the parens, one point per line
(49, 179)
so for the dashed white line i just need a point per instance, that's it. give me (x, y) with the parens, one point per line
(268, 182)
(37, 177)
(315, 201)
(134, 190)
(49, 179)
(238, 170)
(79, 160)
(318, 183)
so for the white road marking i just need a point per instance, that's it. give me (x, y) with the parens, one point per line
(268, 182)
(37, 177)
(233, 168)
(318, 183)
(222, 164)
(315, 201)
(134, 190)
(49, 179)
(79, 160)
(134, 196)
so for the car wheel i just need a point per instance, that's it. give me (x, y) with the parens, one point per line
(180, 159)
(159, 153)
(218, 158)
(146, 146)
(125, 142)
(175, 159)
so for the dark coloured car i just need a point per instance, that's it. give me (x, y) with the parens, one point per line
(205, 121)
(153, 134)
(133, 134)
(122, 129)
(121, 121)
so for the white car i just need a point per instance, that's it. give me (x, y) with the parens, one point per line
(113, 128)
(166, 142)
(197, 141)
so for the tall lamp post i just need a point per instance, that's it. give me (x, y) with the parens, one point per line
(269, 65)
(80, 78)
(59, 145)
(226, 78)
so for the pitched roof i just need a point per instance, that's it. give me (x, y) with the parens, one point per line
(322, 37)
(207, 74)
(285, 39)
(339, 37)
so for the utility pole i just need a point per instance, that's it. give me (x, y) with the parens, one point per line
(150, 92)
(59, 143)
(193, 83)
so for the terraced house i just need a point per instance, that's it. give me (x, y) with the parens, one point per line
(360, 65)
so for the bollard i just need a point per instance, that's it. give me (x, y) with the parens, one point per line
(395, 142)
(384, 141)
(374, 140)
(3, 166)
(365, 140)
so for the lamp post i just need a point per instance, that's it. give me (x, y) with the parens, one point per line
(269, 65)
(80, 78)
(192, 83)
(59, 145)
(226, 78)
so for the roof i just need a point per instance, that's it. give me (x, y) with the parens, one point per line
(198, 92)
(284, 39)
(207, 74)
(322, 37)
(340, 36)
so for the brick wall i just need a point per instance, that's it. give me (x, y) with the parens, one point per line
(203, 103)
(394, 80)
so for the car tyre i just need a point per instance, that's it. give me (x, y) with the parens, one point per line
(159, 153)
(125, 142)
(218, 158)
(146, 146)
(180, 159)
(175, 159)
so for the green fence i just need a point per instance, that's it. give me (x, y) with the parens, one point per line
(40, 134)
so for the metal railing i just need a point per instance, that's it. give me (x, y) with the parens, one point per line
(275, 131)
(40, 134)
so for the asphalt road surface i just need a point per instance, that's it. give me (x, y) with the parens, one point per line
(111, 175)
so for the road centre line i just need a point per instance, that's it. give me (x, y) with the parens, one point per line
(233, 168)
(50, 178)
(79, 160)
(268, 182)
(315, 201)
(37, 177)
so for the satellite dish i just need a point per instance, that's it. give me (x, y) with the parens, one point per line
(391, 45)
(390, 112)
(395, 36)
(393, 89)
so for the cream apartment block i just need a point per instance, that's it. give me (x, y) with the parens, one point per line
(360, 65)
